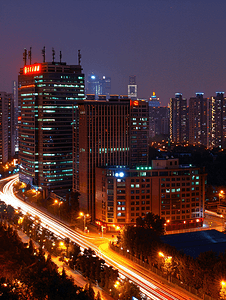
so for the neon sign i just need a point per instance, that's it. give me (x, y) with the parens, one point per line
(135, 103)
(31, 69)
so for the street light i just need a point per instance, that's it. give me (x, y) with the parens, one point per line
(59, 204)
(84, 220)
(167, 263)
(221, 194)
(223, 290)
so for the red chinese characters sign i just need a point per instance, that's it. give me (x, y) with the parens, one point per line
(32, 69)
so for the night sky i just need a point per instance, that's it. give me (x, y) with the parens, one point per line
(170, 45)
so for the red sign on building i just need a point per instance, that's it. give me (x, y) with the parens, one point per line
(31, 69)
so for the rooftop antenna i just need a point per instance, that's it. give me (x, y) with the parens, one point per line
(53, 54)
(60, 56)
(79, 58)
(25, 56)
(29, 54)
(44, 54)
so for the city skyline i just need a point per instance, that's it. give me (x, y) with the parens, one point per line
(168, 45)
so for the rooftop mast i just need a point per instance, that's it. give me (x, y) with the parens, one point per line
(44, 54)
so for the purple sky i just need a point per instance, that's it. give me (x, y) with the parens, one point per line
(170, 45)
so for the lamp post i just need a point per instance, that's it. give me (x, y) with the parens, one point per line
(59, 204)
(167, 264)
(84, 220)
(223, 290)
(221, 195)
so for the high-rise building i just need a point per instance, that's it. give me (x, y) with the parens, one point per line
(107, 133)
(98, 86)
(218, 120)
(139, 132)
(101, 138)
(178, 119)
(158, 121)
(199, 120)
(132, 88)
(105, 86)
(5, 132)
(11, 125)
(16, 115)
(154, 101)
(47, 92)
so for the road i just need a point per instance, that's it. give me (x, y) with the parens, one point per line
(150, 286)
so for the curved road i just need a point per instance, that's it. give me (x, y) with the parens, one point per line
(151, 287)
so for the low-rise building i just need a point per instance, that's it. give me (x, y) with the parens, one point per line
(174, 192)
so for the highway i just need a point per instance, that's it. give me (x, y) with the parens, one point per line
(151, 287)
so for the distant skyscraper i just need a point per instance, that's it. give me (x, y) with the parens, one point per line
(158, 121)
(97, 86)
(132, 88)
(218, 121)
(16, 114)
(47, 93)
(105, 86)
(178, 119)
(154, 101)
(6, 127)
(11, 126)
(199, 120)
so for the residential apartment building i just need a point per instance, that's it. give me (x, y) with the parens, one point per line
(199, 120)
(218, 120)
(178, 119)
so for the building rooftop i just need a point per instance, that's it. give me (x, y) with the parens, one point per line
(194, 243)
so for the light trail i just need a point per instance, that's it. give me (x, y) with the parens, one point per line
(148, 286)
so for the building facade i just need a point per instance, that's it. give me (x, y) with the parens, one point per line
(100, 138)
(174, 192)
(158, 121)
(199, 117)
(178, 119)
(139, 133)
(132, 87)
(218, 120)
(154, 101)
(47, 93)
(106, 133)
(6, 139)
(98, 86)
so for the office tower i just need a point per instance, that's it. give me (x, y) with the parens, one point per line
(16, 115)
(11, 125)
(47, 92)
(139, 132)
(93, 85)
(178, 119)
(105, 86)
(154, 101)
(167, 189)
(97, 86)
(4, 121)
(101, 138)
(199, 120)
(158, 121)
(218, 120)
(107, 133)
(132, 88)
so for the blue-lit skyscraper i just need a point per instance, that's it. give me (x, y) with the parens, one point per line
(98, 86)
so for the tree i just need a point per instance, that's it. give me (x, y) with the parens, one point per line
(128, 289)
(89, 291)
